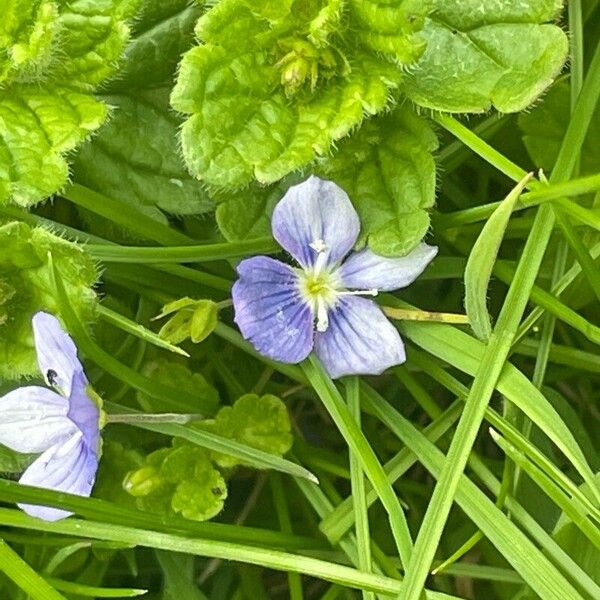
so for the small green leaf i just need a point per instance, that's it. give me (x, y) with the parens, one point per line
(194, 319)
(180, 479)
(25, 276)
(387, 169)
(481, 262)
(488, 54)
(201, 497)
(260, 422)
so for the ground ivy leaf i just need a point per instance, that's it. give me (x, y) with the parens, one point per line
(479, 55)
(261, 422)
(25, 288)
(52, 56)
(387, 169)
(544, 128)
(149, 174)
(263, 98)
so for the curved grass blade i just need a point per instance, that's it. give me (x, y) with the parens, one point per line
(481, 262)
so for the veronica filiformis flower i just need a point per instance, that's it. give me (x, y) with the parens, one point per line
(62, 423)
(324, 304)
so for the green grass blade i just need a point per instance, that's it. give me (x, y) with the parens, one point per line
(334, 403)
(516, 548)
(273, 559)
(361, 517)
(464, 352)
(256, 458)
(16, 569)
(481, 262)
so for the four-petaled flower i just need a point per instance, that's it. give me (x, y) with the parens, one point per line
(64, 427)
(277, 306)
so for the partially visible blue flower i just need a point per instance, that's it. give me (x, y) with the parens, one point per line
(64, 425)
(285, 312)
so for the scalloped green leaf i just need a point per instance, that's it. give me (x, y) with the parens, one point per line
(501, 54)
(261, 422)
(25, 288)
(265, 98)
(388, 170)
(52, 57)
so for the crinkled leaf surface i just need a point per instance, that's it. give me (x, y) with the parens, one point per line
(53, 54)
(387, 169)
(180, 479)
(484, 54)
(264, 99)
(544, 128)
(25, 288)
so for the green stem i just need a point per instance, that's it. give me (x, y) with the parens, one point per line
(333, 402)
(179, 254)
(124, 215)
(357, 479)
(137, 330)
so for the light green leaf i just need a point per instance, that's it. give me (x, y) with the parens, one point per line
(52, 56)
(501, 53)
(263, 100)
(150, 175)
(387, 169)
(194, 319)
(25, 288)
(481, 262)
(261, 422)
(544, 128)
(180, 479)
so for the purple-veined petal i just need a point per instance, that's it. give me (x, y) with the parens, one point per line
(68, 467)
(315, 211)
(56, 352)
(83, 411)
(33, 418)
(359, 340)
(269, 310)
(366, 270)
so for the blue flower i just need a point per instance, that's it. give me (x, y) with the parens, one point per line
(286, 312)
(63, 426)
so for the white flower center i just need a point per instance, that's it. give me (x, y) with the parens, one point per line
(320, 286)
